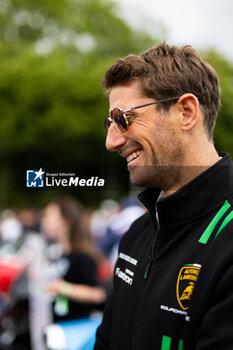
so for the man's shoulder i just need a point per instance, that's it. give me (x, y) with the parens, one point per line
(139, 228)
(142, 221)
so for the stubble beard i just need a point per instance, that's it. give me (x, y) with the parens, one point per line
(160, 174)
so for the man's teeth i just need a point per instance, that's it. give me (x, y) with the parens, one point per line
(133, 156)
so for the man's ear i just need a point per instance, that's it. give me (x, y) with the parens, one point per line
(189, 111)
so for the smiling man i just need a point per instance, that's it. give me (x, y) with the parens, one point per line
(173, 279)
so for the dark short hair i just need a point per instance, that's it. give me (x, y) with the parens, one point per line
(166, 71)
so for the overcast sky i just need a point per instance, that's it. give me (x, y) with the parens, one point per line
(201, 23)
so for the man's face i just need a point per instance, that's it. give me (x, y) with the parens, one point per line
(152, 145)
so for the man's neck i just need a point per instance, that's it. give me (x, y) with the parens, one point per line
(194, 168)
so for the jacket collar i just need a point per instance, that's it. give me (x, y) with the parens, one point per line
(202, 194)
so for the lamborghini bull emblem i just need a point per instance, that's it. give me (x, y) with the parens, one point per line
(185, 284)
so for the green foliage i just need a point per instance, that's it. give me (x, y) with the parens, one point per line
(224, 125)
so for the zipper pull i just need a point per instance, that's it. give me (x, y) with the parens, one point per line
(148, 267)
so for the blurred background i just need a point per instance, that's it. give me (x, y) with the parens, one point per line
(53, 55)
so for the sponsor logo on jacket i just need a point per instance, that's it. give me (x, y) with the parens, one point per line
(186, 280)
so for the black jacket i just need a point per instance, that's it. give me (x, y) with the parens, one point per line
(173, 283)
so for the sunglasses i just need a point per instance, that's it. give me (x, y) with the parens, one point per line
(119, 119)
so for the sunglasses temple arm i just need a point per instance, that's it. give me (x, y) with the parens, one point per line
(128, 109)
(152, 103)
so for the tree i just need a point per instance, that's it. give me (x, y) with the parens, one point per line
(224, 126)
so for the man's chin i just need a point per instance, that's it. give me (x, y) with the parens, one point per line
(148, 176)
(138, 176)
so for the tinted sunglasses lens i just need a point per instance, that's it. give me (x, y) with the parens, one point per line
(119, 118)
(107, 123)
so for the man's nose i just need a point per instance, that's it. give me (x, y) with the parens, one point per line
(114, 139)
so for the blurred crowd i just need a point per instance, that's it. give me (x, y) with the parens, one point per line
(56, 264)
